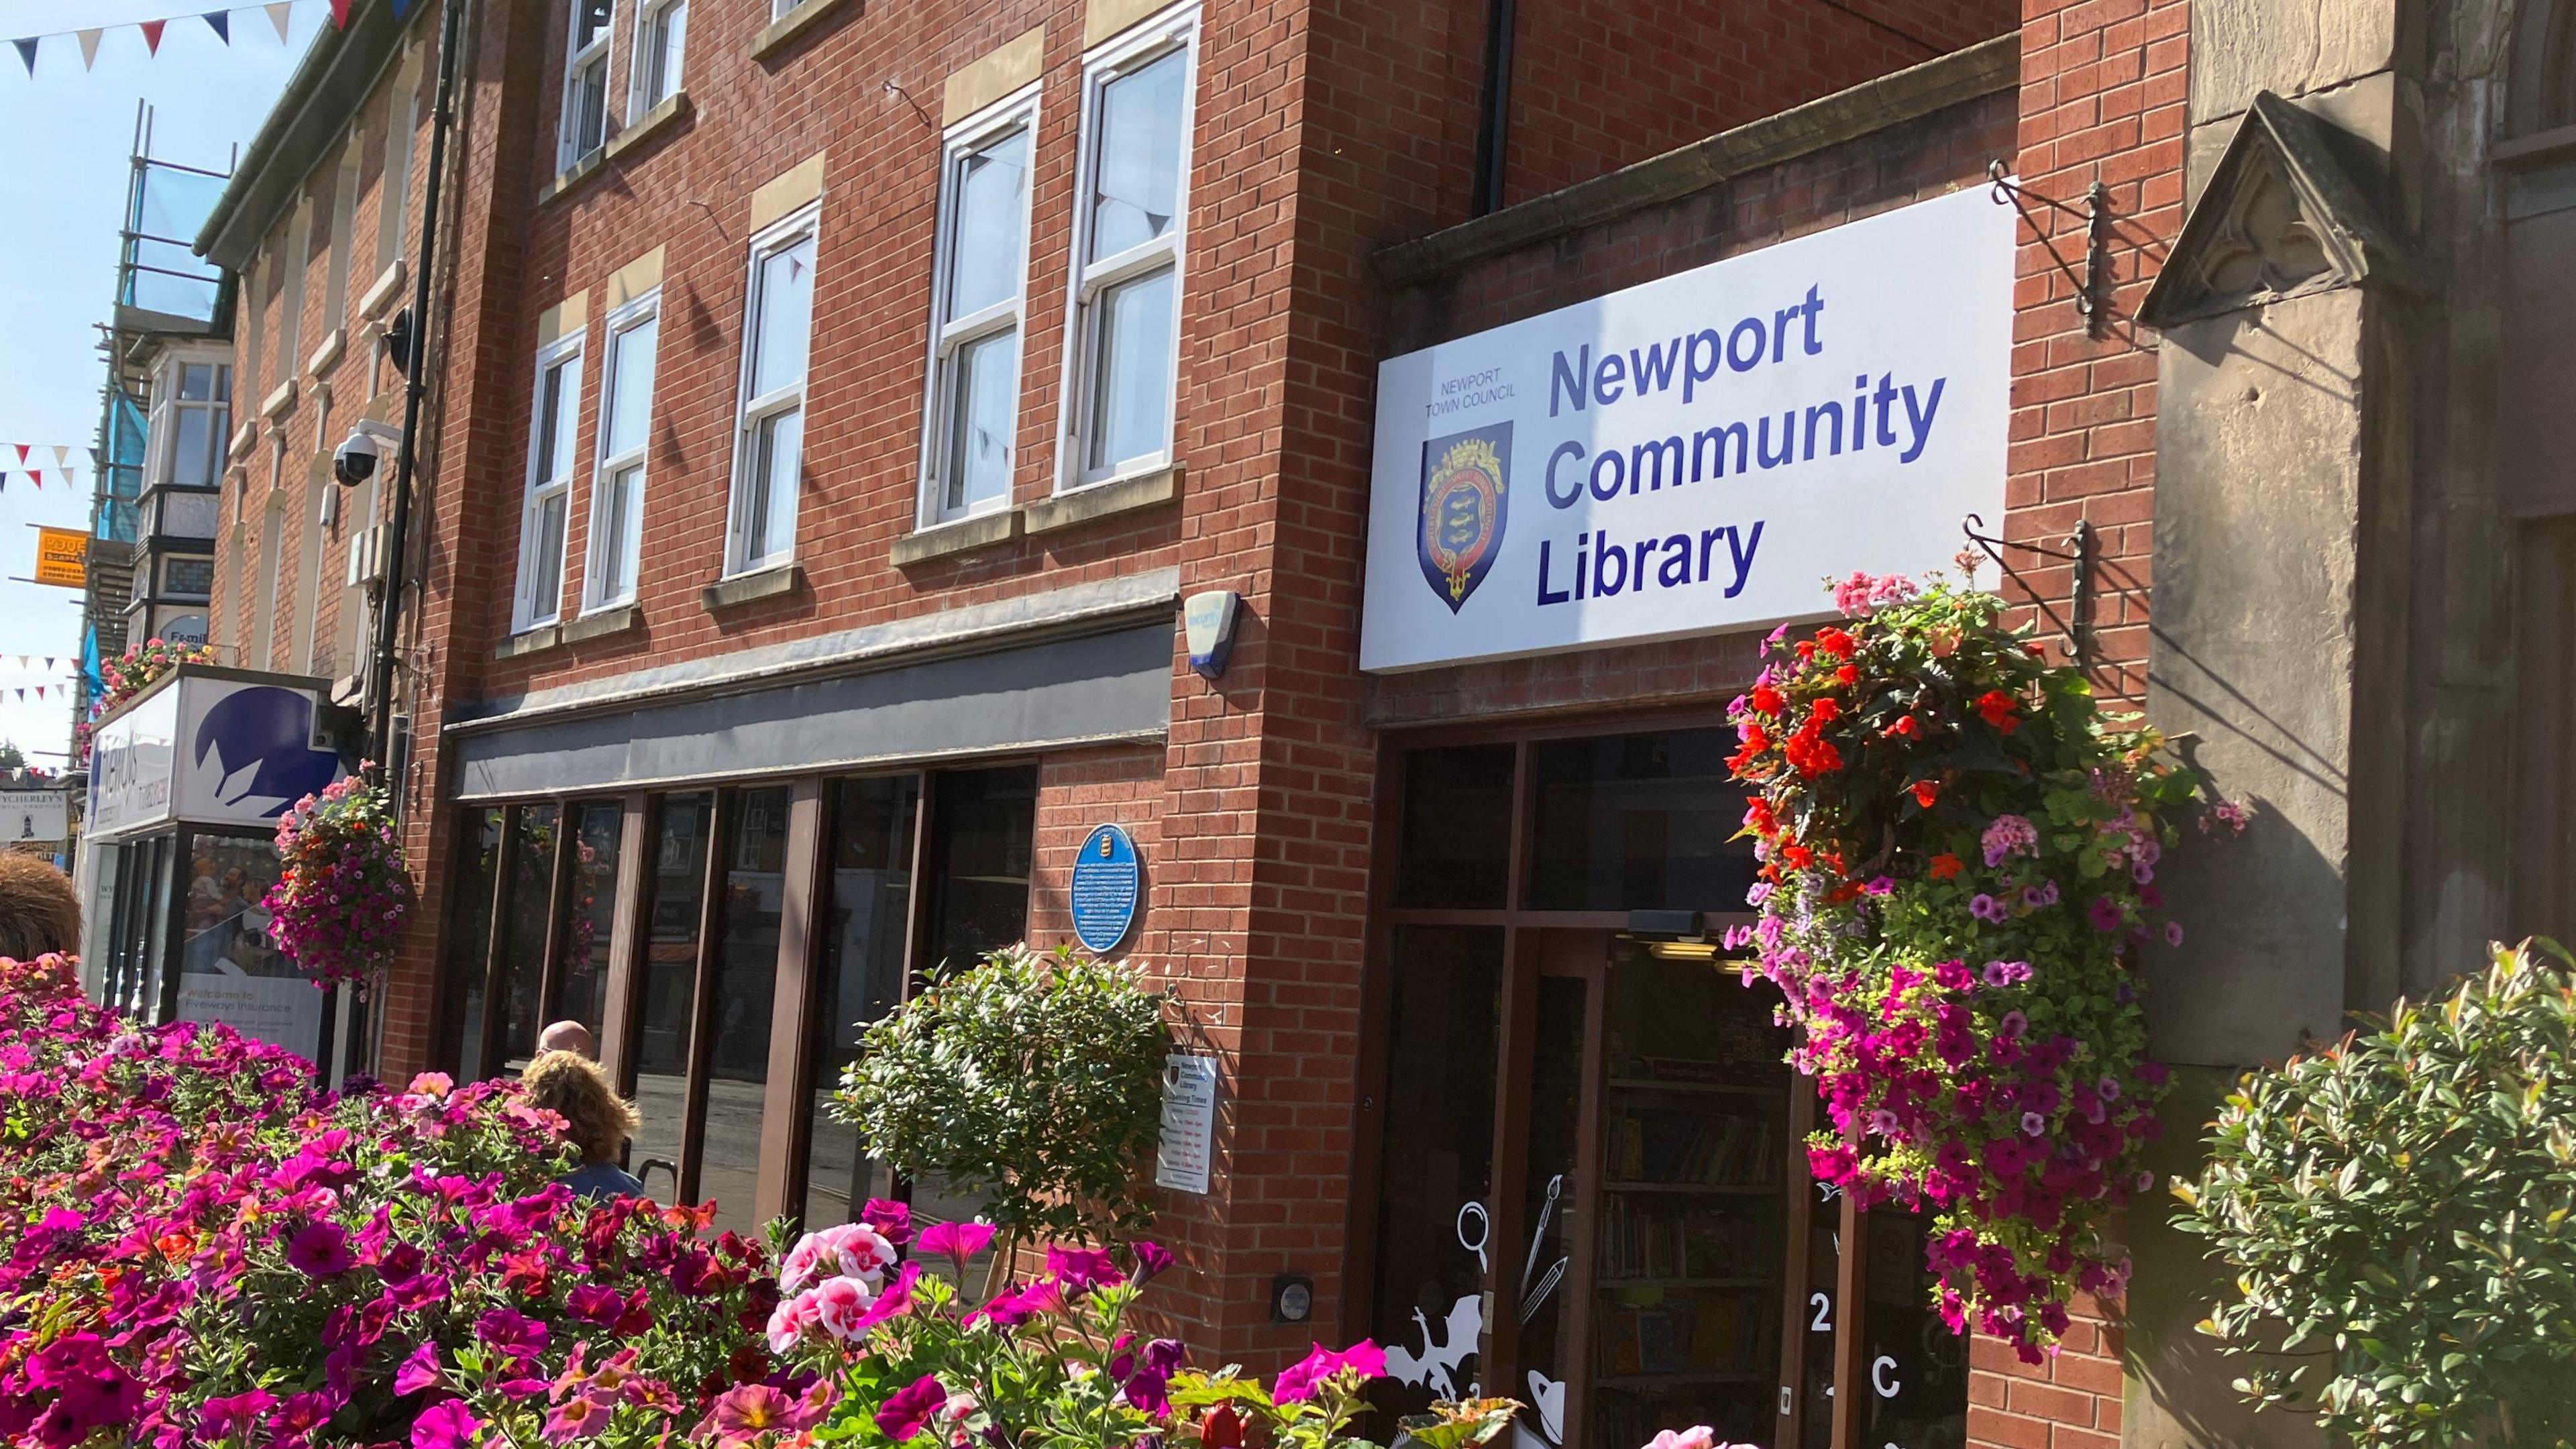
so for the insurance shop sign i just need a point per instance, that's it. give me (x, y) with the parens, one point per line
(1699, 453)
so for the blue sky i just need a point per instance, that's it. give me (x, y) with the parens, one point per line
(62, 186)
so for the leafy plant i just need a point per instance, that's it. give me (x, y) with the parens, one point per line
(1034, 1079)
(2397, 1208)
(339, 905)
(1958, 852)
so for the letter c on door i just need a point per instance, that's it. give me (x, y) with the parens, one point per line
(1882, 1376)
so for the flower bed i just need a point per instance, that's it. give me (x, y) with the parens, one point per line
(199, 1247)
(1958, 856)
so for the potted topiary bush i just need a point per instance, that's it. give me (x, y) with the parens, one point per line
(2400, 1213)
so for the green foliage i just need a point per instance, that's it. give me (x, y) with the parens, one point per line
(1033, 1079)
(2397, 1209)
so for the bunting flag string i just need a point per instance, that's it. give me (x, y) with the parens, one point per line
(280, 15)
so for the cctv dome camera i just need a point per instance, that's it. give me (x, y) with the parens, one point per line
(368, 445)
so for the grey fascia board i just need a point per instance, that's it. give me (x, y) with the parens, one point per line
(338, 72)
(974, 628)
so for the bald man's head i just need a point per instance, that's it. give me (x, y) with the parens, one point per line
(567, 1036)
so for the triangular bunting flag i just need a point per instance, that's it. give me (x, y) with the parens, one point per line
(36, 476)
(49, 661)
(22, 455)
(93, 457)
(339, 14)
(152, 35)
(221, 23)
(27, 53)
(279, 15)
(62, 456)
(89, 47)
(40, 691)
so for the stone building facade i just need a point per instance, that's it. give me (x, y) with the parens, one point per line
(1060, 312)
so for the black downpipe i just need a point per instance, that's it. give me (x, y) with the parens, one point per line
(1493, 127)
(415, 383)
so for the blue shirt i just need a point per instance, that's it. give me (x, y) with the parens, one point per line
(603, 1180)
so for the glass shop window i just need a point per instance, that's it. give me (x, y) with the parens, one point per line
(1637, 822)
(666, 996)
(1455, 844)
(860, 977)
(230, 970)
(745, 965)
(590, 914)
(1436, 1159)
(523, 932)
(469, 942)
(983, 830)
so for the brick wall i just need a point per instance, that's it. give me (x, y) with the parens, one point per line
(1622, 81)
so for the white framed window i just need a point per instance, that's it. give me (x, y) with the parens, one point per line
(1130, 205)
(191, 423)
(661, 39)
(779, 8)
(970, 421)
(539, 599)
(769, 435)
(625, 416)
(585, 92)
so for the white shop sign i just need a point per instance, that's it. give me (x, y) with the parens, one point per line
(209, 750)
(1697, 453)
(35, 816)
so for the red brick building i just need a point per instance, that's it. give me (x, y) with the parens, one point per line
(832, 405)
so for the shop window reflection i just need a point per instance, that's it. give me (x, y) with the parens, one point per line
(230, 968)
(860, 977)
(984, 826)
(1916, 1367)
(590, 909)
(1455, 846)
(667, 991)
(469, 942)
(745, 964)
(523, 932)
(1637, 822)
(1436, 1160)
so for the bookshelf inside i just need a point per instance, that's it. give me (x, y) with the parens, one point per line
(1689, 1244)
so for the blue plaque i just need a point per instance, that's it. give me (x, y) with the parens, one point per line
(1107, 883)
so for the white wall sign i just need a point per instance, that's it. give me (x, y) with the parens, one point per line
(211, 751)
(1189, 1123)
(1697, 453)
(33, 815)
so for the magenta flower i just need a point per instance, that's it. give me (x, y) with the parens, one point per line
(1079, 1269)
(1152, 1260)
(320, 1249)
(2105, 914)
(447, 1424)
(511, 1332)
(1299, 1381)
(221, 1419)
(957, 1241)
(892, 1220)
(419, 1371)
(578, 1417)
(901, 1416)
(1986, 908)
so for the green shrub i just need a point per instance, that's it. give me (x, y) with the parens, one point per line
(2397, 1209)
(1032, 1079)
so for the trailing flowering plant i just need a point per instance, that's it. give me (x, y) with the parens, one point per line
(339, 905)
(1958, 853)
(200, 1247)
(895, 1357)
(141, 665)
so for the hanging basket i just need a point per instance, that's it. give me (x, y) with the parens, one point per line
(340, 906)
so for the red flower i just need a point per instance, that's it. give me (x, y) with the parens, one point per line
(1826, 711)
(1848, 674)
(1765, 699)
(1835, 642)
(1797, 857)
(2000, 710)
(1925, 792)
(1945, 865)
(1759, 819)
(1806, 649)
(1905, 728)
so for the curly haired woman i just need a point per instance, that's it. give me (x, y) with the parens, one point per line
(596, 1120)
(39, 910)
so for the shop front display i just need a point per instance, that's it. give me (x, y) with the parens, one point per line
(726, 946)
(1594, 1197)
(179, 855)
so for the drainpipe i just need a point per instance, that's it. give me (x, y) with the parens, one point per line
(1493, 126)
(415, 384)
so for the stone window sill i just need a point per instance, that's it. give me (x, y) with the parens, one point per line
(768, 583)
(783, 32)
(1104, 500)
(278, 402)
(984, 530)
(646, 126)
(380, 296)
(601, 623)
(529, 641)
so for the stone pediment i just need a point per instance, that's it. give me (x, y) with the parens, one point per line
(2283, 216)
